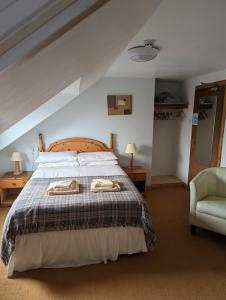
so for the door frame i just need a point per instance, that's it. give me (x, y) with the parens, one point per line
(208, 89)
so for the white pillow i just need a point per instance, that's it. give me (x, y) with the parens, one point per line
(59, 164)
(99, 163)
(96, 156)
(47, 157)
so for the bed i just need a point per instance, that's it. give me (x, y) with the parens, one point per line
(43, 231)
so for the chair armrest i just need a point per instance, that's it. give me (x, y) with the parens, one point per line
(199, 189)
(193, 198)
(199, 186)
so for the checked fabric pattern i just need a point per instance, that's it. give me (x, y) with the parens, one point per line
(34, 211)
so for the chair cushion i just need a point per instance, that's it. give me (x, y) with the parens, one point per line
(213, 205)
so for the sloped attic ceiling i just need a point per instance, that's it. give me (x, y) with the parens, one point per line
(40, 114)
(26, 27)
(20, 18)
(86, 51)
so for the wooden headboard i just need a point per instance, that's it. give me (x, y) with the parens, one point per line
(78, 144)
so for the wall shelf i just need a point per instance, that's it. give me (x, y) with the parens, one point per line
(169, 110)
(175, 105)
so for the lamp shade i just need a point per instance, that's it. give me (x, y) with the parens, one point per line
(131, 148)
(16, 156)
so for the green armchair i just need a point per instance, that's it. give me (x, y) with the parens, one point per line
(208, 200)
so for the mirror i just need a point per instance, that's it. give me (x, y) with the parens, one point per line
(205, 130)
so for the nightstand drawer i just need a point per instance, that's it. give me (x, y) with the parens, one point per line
(137, 177)
(12, 184)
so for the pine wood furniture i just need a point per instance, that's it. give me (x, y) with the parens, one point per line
(138, 175)
(11, 186)
(78, 144)
(217, 89)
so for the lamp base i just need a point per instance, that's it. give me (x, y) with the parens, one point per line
(17, 169)
(17, 173)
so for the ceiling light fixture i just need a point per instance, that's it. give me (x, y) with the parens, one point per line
(144, 52)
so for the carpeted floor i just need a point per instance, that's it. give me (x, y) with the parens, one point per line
(181, 266)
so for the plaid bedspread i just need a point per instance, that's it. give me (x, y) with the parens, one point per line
(34, 211)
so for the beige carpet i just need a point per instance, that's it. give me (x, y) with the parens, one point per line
(181, 266)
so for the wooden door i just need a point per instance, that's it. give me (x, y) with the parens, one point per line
(207, 128)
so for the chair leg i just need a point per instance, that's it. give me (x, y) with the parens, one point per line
(193, 229)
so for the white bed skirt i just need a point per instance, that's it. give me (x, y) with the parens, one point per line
(73, 248)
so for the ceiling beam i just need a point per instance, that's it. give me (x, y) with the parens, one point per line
(32, 23)
(57, 34)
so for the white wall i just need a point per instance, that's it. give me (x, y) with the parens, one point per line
(186, 126)
(87, 116)
(164, 154)
(165, 136)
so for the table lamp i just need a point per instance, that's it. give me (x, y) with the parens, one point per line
(131, 149)
(16, 156)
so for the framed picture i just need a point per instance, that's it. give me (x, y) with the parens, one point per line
(119, 104)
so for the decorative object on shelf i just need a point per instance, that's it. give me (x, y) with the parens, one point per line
(168, 115)
(166, 108)
(119, 104)
(131, 149)
(17, 158)
(165, 97)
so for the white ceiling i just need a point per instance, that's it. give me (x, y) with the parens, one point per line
(191, 35)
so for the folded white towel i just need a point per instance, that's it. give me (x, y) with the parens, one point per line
(72, 189)
(102, 183)
(115, 187)
(63, 185)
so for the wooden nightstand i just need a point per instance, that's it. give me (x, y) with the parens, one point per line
(138, 175)
(11, 186)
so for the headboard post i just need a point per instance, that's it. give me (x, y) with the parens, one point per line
(111, 142)
(41, 144)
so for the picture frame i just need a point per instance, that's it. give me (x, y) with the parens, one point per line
(119, 104)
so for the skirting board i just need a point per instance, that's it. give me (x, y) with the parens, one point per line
(166, 181)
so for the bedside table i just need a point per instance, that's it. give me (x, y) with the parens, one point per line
(11, 186)
(138, 175)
